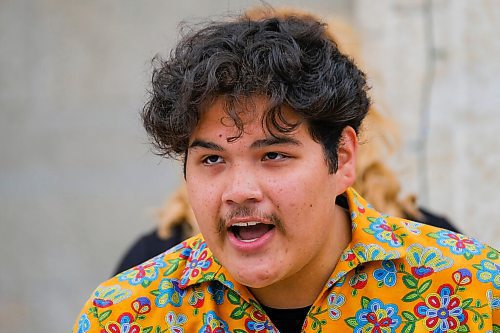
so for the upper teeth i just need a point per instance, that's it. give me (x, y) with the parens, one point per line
(245, 224)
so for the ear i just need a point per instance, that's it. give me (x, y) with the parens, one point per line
(346, 157)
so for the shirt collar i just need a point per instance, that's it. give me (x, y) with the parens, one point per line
(374, 238)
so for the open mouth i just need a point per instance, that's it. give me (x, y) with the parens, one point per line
(250, 231)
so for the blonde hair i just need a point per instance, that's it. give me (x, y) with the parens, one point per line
(174, 212)
(378, 140)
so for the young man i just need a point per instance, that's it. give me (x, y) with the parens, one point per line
(265, 115)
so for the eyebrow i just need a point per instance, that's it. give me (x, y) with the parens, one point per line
(205, 144)
(271, 141)
(275, 140)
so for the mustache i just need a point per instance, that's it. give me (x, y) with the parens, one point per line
(244, 211)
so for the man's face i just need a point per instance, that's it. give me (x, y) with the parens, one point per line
(265, 206)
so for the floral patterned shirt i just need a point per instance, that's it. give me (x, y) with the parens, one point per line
(394, 276)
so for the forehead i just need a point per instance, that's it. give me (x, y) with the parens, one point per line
(254, 114)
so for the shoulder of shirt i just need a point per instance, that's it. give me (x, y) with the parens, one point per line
(171, 264)
(396, 237)
(138, 287)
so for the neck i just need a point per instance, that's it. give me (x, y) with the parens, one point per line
(302, 288)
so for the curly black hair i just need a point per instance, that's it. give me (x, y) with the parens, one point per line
(290, 60)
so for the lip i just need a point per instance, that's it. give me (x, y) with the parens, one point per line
(247, 219)
(254, 246)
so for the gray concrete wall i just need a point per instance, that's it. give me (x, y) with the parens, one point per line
(77, 180)
(435, 70)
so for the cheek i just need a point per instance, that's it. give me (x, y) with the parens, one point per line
(292, 199)
(203, 199)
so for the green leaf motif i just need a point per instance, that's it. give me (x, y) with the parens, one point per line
(351, 322)
(466, 302)
(233, 297)
(147, 329)
(93, 311)
(411, 296)
(146, 283)
(369, 231)
(256, 305)
(155, 292)
(364, 302)
(409, 316)
(433, 235)
(496, 328)
(207, 277)
(410, 281)
(174, 264)
(104, 315)
(468, 255)
(237, 313)
(409, 328)
(463, 329)
(424, 287)
(493, 254)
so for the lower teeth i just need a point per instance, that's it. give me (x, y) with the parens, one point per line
(248, 240)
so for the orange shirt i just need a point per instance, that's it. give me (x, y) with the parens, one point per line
(394, 276)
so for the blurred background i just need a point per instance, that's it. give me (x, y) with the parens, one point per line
(78, 182)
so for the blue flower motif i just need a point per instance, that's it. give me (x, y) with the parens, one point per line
(377, 317)
(175, 322)
(387, 273)
(426, 260)
(83, 324)
(371, 252)
(217, 291)
(442, 310)
(489, 272)
(181, 246)
(385, 232)
(213, 324)
(107, 296)
(458, 244)
(199, 260)
(143, 273)
(169, 292)
(335, 301)
(494, 301)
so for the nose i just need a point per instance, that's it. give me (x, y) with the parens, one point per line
(242, 186)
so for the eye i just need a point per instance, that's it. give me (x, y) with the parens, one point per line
(212, 159)
(274, 156)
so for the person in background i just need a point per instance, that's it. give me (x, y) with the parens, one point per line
(375, 180)
(176, 223)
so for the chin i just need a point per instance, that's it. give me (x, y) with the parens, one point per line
(257, 278)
